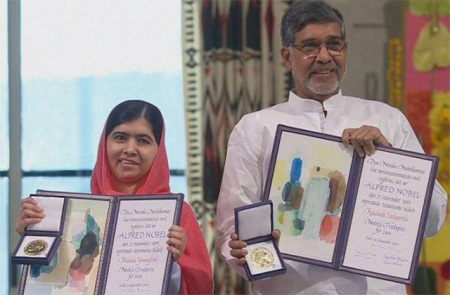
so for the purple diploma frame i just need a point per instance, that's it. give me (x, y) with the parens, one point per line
(254, 226)
(40, 241)
(338, 210)
(140, 225)
(107, 245)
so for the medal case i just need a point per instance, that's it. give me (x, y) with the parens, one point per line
(254, 225)
(40, 241)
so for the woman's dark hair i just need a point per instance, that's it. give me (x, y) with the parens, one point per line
(131, 110)
(302, 13)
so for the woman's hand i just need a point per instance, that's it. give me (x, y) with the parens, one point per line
(176, 241)
(30, 213)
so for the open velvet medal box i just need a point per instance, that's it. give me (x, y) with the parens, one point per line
(254, 225)
(40, 241)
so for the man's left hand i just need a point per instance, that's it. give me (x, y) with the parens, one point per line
(364, 139)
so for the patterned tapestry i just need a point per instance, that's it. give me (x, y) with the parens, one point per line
(239, 57)
(241, 71)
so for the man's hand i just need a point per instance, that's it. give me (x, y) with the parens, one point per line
(364, 139)
(276, 234)
(237, 246)
(237, 250)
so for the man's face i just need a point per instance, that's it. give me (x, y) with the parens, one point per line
(316, 77)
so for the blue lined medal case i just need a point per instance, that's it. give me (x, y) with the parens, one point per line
(254, 225)
(40, 241)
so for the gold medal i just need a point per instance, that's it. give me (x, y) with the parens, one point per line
(35, 247)
(261, 258)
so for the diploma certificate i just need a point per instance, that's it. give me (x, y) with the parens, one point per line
(338, 210)
(110, 245)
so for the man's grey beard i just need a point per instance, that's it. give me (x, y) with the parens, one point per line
(325, 87)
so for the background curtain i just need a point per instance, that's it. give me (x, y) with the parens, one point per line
(234, 56)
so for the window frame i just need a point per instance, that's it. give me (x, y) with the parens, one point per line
(15, 173)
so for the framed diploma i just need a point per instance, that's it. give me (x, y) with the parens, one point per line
(263, 258)
(110, 245)
(139, 262)
(361, 215)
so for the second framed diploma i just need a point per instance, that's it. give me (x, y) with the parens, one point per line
(362, 215)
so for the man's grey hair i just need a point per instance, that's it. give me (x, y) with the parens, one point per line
(303, 13)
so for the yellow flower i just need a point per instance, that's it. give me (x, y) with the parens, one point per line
(439, 118)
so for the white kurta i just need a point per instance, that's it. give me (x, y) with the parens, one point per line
(246, 168)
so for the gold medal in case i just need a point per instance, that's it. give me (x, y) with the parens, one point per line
(261, 257)
(35, 247)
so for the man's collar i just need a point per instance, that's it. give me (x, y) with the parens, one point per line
(311, 105)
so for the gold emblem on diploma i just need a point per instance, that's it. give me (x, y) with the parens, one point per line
(35, 247)
(261, 258)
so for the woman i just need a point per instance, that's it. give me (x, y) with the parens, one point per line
(132, 160)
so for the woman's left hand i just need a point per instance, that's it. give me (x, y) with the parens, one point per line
(176, 241)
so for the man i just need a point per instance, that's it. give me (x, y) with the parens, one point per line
(314, 50)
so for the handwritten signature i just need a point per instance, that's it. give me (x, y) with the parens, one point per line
(365, 254)
(394, 259)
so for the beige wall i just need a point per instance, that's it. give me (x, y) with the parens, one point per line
(367, 34)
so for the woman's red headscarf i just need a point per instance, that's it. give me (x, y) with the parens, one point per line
(157, 181)
(196, 272)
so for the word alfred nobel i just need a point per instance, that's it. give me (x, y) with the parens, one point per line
(144, 216)
(402, 173)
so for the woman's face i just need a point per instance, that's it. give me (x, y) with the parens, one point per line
(131, 148)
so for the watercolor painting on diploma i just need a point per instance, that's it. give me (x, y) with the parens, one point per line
(308, 188)
(75, 266)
